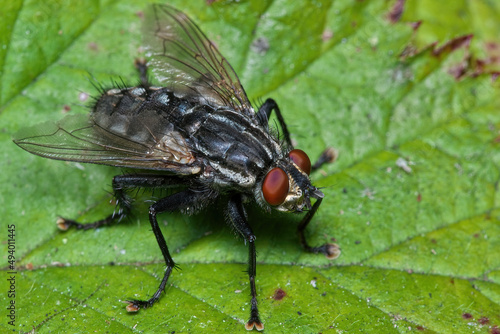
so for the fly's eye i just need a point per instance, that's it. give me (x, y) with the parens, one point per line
(301, 159)
(275, 186)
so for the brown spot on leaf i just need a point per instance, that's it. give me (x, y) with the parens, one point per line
(467, 316)
(415, 25)
(452, 45)
(458, 71)
(396, 12)
(483, 320)
(279, 294)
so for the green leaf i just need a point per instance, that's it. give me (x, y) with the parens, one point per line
(412, 199)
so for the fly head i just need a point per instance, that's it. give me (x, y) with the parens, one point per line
(287, 186)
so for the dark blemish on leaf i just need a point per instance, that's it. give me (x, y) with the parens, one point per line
(279, 294)
(140, 14)
(299, 313)
(415, 25)
(467, 316)
(357, 242)
(452, 281)
(419, 197)
(430, 295)
(458, 71)
(434, 241)
(483, 320)
(323, 294)
(476, 235)
(454, 44)
(29, 266)
(495, 330)
(420, 328)
(344, 190)
(66, 108)
(260, 45)
(396, 12)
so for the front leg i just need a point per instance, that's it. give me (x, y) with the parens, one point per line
(238, 218)
(265, 112)
(331, 251)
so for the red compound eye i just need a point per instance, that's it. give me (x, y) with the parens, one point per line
(301, 159)
(275, 186)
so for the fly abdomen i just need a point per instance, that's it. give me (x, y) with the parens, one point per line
(147, 117)
(134, 113)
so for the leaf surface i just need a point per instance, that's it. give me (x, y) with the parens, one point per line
(412, 199)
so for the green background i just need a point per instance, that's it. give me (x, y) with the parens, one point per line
(420, 248)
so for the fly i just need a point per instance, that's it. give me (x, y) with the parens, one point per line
(198, 132)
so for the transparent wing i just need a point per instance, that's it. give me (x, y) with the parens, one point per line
(80, 138)
(183, 58)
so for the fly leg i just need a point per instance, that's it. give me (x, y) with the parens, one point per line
(121, 183)
(265, 112)
(238, 218)
(179, 201)
(327, 156)
(331, 251)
